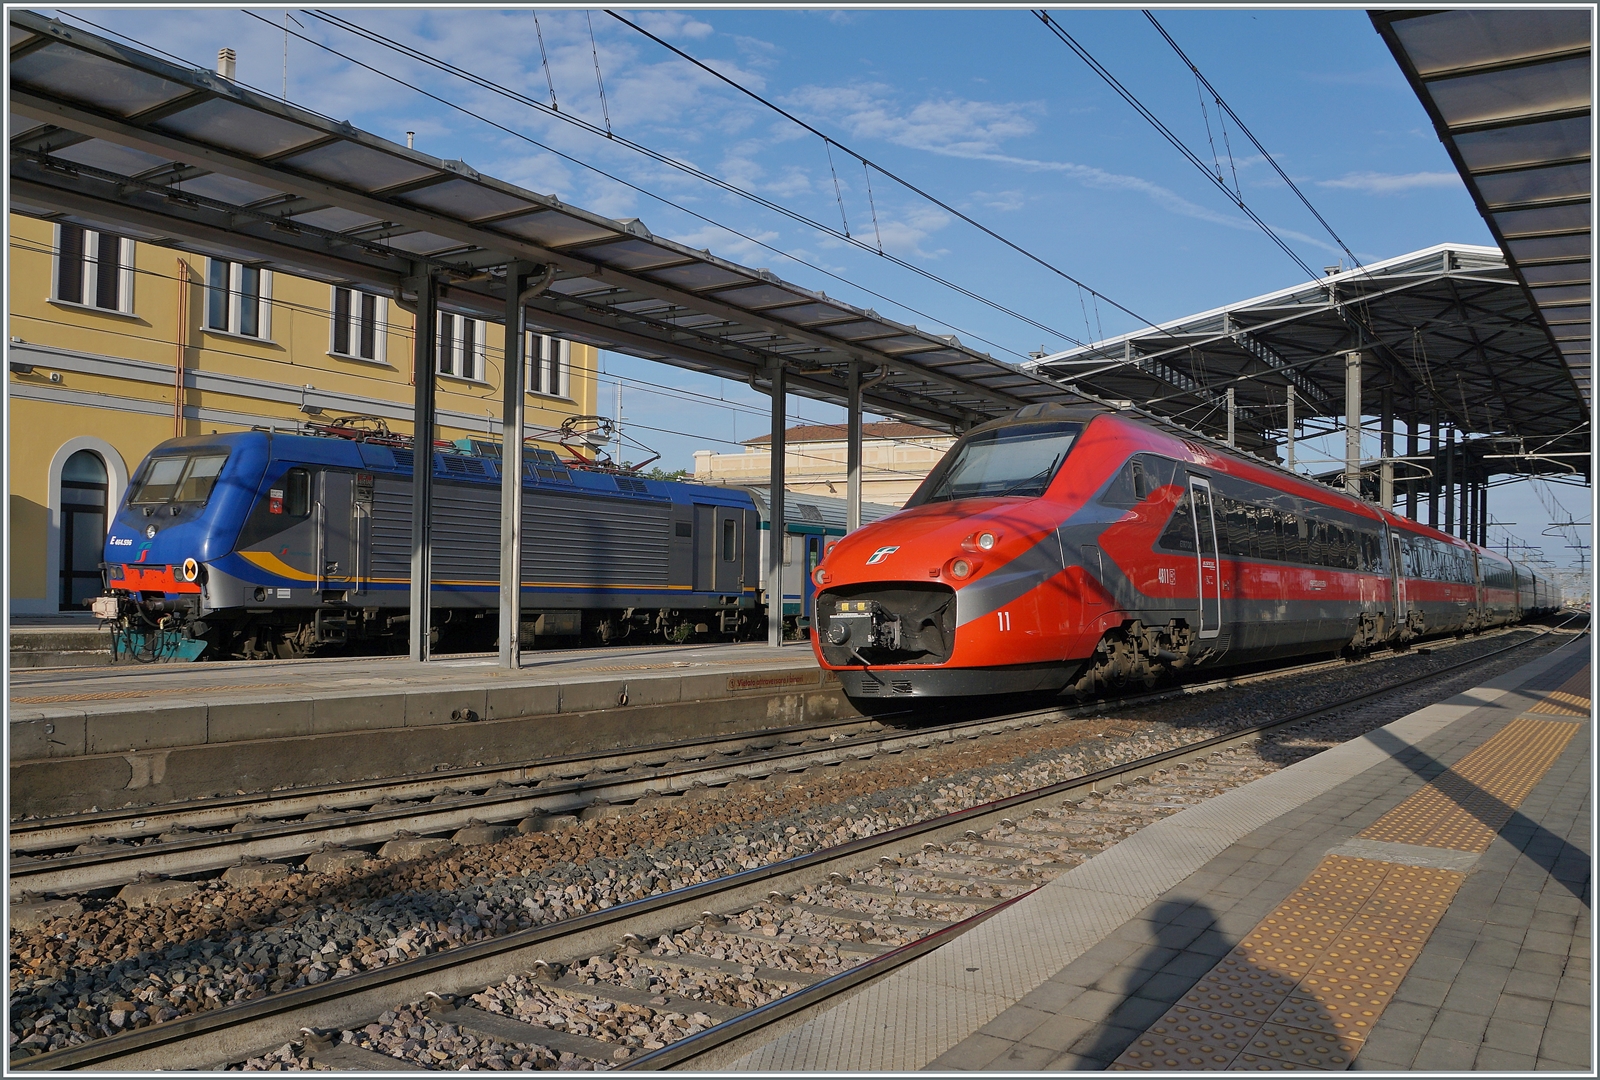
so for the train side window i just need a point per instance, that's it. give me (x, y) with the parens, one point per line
(1296, 538)
(297, 493)
(1141, 488)
(1235, 526)
(1267, 533)
(1179, 533)
(730, 538)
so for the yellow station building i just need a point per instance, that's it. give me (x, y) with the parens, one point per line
(116, 346)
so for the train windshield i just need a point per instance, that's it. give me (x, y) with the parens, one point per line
(178, 478)
(1018, 460)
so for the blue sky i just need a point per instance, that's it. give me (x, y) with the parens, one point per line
(984, 109)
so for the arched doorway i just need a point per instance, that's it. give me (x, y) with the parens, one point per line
(84, 494)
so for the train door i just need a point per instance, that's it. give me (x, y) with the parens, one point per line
(335, 509)
(1205, 528)
(728, 557)
(808, 588)
(1397, 586)
(705, 547)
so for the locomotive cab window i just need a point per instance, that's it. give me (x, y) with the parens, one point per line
(177, 478)
(730, 537)
(1016, 460)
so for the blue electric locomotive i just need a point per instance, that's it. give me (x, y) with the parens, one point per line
(263, 544)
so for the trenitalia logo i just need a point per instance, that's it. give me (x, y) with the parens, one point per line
(882, 554)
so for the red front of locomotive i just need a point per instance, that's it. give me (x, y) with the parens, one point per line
(966, 591)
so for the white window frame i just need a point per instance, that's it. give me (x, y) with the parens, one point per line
(380, 326)
(90, 270)
(548, 377)
(235, 302)
(461, 351)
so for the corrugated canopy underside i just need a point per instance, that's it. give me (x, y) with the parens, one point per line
(1509, 93)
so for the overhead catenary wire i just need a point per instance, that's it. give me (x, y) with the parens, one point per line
(1139, 106)
(1245, 130)
(376, 38)
(544, 59)
(605, 110)
(902, 181)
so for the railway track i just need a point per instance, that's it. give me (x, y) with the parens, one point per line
(785, 936)
(104, 850)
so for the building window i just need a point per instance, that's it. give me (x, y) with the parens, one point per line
(238, 299)
(549, 365)
(460, 346)
(360, 325)
(94, 269)
(84, 493)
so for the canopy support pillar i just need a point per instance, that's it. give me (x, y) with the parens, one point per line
(422, 415)
(513, 409)
(852, 453)
(1288, 430)
(1411, 454)
(1438, 465)
(775, 504)
(1450, 482)
(1352, 423)
(1386, 447)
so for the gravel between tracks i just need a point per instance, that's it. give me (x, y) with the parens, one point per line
(110, 968)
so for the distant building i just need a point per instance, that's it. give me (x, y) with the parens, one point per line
(106, 332)
(894, 459)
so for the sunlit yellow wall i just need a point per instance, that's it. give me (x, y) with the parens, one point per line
(105, 381)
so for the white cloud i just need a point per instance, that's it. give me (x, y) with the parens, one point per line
(976, 130)
(1001, 200)
(1376, 183)
(672, 24)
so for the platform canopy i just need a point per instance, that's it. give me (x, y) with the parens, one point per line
(113, 138)
(1509, 92)
(1447, 328)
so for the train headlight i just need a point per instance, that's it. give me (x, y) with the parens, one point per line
(960, 568)
(986, 541)
(820, 576)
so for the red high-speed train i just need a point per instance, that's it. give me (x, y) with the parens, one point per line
(1084, 547)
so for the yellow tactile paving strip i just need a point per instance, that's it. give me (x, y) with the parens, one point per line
(1464, 807)
(1307, 985)
(1572, 699)
(1303, 989)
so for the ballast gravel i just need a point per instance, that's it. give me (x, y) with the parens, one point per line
(110, 968)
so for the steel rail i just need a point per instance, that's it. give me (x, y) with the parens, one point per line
(515, 791)
(229, 1034)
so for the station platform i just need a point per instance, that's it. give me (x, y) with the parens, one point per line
(107, 736)
(1417, 899)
